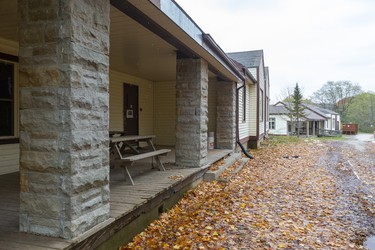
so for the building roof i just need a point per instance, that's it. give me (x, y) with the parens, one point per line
(282, 110)
(278, 110)
(320, 110)
(249, 59)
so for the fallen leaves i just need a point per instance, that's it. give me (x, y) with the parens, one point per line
(216, 165)
(275, 202)
(176, 177)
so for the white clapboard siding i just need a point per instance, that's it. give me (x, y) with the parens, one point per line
(165, 113)
(262, 87)
(116, 99)
(9, 158)
(281, 125)
(253, 72)
(244, 125)
(253, 109)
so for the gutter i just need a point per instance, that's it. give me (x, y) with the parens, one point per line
(238, 120)
(223, 56)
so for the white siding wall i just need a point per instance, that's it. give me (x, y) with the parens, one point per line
(10, 158)
(253, 109)
(9, 153)
(244, 125)
(146, 100)
(165, 113)
(281, 125)
(253, 71)
(261, 82)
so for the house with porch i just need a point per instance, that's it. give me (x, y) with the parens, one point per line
(70, 72)
(333, 120)
(314, 120)
(258, 94)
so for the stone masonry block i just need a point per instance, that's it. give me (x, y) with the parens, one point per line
(64, 68)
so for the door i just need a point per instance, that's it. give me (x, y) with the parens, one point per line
(131, 124)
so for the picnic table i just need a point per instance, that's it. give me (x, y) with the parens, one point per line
(126, 150)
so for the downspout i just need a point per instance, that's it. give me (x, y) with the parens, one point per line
(238, 121)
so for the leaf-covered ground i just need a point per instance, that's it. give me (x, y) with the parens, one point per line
(287, 198)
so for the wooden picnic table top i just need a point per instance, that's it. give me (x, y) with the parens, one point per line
(131, 138)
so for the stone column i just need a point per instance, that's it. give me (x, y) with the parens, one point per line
(307, 128)
(64, 82)
(314, 128)
(226, 115)
(192, 112)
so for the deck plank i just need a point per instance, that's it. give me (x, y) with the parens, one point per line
(43, 242)
(125, 199)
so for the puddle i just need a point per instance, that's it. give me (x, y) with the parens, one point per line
(370, 243)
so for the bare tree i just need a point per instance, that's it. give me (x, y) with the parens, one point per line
(337, 96)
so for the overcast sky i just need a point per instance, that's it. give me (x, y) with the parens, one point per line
(305, 41)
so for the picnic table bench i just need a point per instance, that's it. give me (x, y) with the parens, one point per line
(126, 151)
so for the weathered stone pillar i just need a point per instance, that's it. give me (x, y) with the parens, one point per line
(226, 115)
(307, 128)
(192, 112)
(64, 82)
(313, 125)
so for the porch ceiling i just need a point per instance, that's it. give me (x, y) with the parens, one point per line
(134, 49)
(139, 52)
(8, 20)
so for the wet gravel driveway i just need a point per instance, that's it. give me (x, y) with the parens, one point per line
(352, 163)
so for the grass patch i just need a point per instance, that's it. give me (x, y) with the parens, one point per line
(331, 138)
(276, 140)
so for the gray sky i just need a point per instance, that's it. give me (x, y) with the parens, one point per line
(305, 41)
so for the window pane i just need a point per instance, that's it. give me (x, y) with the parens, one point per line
(6, 118)
(6, 81)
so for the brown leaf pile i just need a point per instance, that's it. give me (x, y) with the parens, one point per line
(277, 201)
(216, 165)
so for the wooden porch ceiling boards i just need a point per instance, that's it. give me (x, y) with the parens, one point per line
(134, 49)
(8, 20)
(139, 52)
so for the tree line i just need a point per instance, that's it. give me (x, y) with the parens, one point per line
(344, 97)
(348, 99)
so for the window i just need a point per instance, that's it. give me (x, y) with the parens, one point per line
(272, 123)
(6, 99)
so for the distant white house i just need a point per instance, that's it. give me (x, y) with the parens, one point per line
(315, 118)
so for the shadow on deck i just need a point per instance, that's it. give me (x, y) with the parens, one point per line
(131, 207)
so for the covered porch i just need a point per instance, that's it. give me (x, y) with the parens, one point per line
(83, 68)
(306, 128)
(154, 192)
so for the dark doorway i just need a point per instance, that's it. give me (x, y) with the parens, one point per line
(131, 126)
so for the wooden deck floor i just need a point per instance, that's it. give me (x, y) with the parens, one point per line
(124, 198)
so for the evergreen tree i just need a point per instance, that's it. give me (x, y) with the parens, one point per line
(297, 109)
